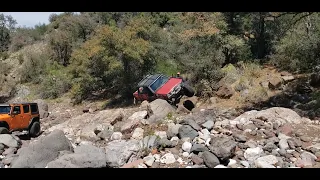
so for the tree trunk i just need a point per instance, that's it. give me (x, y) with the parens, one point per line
(261, 38)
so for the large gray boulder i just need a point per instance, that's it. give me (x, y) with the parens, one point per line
(39, 153)
(85, 156)
(119, 152)
(43, 108)
(223, 147)
(159, 109)
(9, 140)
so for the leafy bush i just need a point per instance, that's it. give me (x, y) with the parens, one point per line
(35, 61)
(55, 82)
(299, 49)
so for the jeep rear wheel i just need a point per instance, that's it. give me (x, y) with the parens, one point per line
(35, 129)
(188, 91)
(4, 130)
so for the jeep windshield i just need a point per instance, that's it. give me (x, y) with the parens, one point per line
(158, 83)
(5, 109)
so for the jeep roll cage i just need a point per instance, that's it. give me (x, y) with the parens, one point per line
(148, 81)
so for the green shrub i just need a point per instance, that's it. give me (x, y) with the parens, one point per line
(34, 64)
(55, 83)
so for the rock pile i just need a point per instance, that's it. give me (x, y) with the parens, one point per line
(255, 139)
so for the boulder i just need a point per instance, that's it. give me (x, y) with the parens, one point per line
(84, 156)
(119, 152)
(43, 108)
(225, 91)
(160, 109)
(39, 153)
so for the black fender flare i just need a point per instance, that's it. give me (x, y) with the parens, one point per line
(4, 124)
(34, 119)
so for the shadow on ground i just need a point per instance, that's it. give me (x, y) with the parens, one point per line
(25, 136)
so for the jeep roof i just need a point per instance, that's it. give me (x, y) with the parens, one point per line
(22, 103)
(148, 80)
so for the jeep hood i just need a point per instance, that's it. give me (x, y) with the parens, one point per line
(4, 116)
(168, 86)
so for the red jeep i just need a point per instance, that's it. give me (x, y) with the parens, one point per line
(159, 86)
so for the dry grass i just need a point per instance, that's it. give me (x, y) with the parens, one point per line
(245, 79)
(255, 95)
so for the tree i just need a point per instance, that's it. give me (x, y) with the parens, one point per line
(66, 32)
(113, 59)
(7, 25)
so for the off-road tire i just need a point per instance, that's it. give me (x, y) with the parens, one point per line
(35, 129)
(188, 91)
(4, 130)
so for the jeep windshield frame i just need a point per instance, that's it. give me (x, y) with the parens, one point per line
(5, 109)
(158, 83)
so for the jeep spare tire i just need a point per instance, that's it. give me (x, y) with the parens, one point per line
(34, 129)
(188, 91)
(4, 130)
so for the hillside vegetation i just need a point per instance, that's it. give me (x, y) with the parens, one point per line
(92, 55)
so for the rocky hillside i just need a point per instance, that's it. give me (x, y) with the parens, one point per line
(257, 102)
(154, 135)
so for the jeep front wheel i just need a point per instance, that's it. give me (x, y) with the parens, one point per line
(188, 91)
(35, 129)
(4, 130)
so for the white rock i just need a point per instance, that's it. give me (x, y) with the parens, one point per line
(247, 130)
(167, 159)
(142, 166)
(293, 159)
(214, 131)
(283, 144)
(308, 158)
(137, 134)
(208, 124)
(233, 123)
(186, 146)
(283, 136)
(156, 157)
(220, 166)
(8, 140)
(263, 162)
(290, 151)
(252, 154)
(185, 154)
(317, 146)
(148, 160)
(161, 134)
(85, 143)
(116, 136)
(145, 122)
(180, 160)
(245, 163)
(175, 138)
(232, 162)
(208, 142)
(204, 134)
(188, 167)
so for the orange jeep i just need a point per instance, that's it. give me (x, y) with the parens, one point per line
(19, 117)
